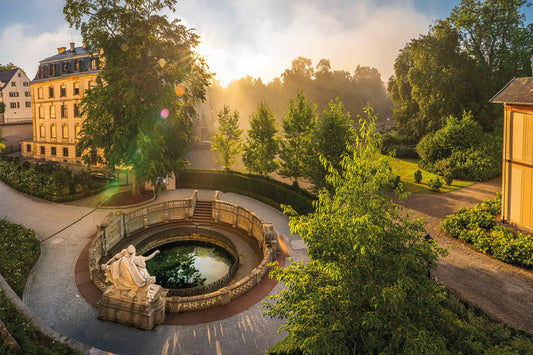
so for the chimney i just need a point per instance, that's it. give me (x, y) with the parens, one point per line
(72, 46)
(61, 50)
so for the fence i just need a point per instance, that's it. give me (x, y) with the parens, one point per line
(118, 226)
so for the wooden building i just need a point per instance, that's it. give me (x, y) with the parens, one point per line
(517, 175)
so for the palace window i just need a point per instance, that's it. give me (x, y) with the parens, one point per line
(51, 91)
(53, 133)
(53, 150)
(77, 128)
(41, 112)
(28, 104)
(41, 133)
(25, 83)
(40, 93)
(63, 111)
(76, 110)
(27, 93)
(53, 111)
(64, 130)
(14, 94)
(13, 83)
(43, 150)
(65, 152)
(76, 88)
(14, 105)
(28, 148)
(63, 91)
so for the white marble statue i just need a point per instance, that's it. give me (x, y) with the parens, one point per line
(127, 271)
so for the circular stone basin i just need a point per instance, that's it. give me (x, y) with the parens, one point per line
(189, 264)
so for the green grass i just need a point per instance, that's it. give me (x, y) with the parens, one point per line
(406, 168)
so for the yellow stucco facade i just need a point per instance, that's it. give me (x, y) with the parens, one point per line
(57, 91)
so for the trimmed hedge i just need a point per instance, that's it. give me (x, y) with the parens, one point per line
(19, 251)
(43, 181)
(478, 227)
(270, 191)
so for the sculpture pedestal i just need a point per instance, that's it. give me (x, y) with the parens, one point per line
(144, 308)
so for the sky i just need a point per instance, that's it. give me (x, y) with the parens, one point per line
(250, 37)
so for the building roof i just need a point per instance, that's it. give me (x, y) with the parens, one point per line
(67, 62)
(517, 91)
(5, 77)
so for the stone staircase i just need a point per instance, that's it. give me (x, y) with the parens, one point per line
(202, 212)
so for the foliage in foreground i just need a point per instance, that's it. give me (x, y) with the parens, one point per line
(19, 251)
(366, 288)
(478, 227)
(45, 181)
(29, 338)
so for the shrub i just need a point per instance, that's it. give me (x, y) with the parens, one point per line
(477, 226)
(418, 176)
(435, 184)
(19, 250)
(463, 149)
(48, 181)
(404, 147)
(448, 178)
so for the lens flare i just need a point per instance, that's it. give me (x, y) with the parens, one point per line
(180, 89)
(162, 62)
(124, 47)
(164, 113)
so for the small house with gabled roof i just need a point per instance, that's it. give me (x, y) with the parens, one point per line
(517, 174)
(15, 107)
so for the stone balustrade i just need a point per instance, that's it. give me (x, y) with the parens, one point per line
(118, 226)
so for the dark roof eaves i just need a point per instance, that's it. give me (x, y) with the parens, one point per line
(65, 76)
(493, 101)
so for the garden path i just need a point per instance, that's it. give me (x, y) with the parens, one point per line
(502, 291)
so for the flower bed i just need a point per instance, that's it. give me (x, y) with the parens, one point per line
(478, 227)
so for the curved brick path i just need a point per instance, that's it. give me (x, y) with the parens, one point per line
(503, 291)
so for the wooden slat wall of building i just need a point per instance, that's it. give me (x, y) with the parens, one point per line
(518, 166)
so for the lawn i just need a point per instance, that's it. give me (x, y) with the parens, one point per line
(406, 168)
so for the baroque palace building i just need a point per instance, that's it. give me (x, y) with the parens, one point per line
(56, 91)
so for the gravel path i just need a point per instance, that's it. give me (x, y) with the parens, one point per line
(503, 291)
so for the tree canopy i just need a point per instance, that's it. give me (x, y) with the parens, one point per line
(459, 65)
(320, 83)
(227, 141)
(298, 124)
(8, 66)
(140, 112)
(262, 143)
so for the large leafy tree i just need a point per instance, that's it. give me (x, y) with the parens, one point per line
(330, 139)
(365, 289)
(298, 125)
(433, 78)
(262, 143)
(459, 65)
(227, 141)
(140, 112)
(493, 32)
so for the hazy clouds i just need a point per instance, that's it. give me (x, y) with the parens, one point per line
(258, 38)
(261, 38)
